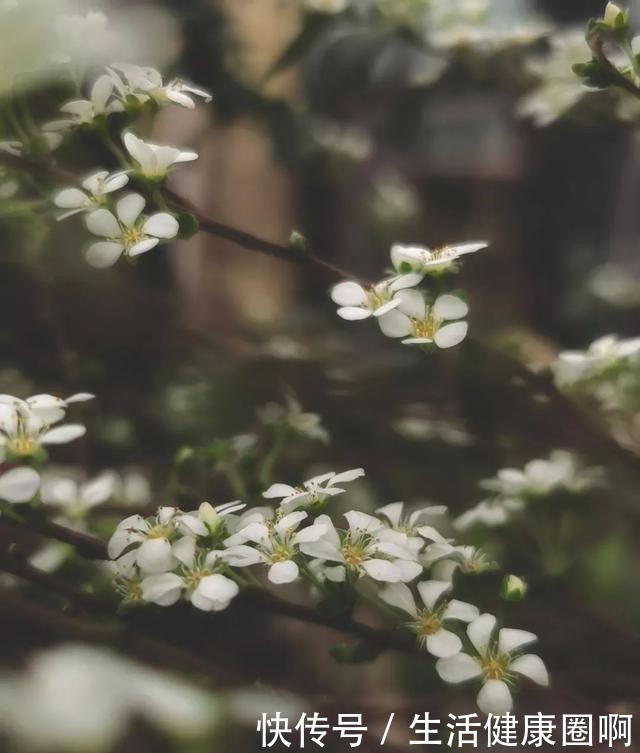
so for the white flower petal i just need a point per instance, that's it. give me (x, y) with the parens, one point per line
(71, 198)
(432, 590)
(283, 572)
(348, 294)
(458, 668)
(63, 434)
(399, 595)
(155, 556)
(451, 334)
(381, 570)
(531, 666)
(443, 644)
(449, 307)
(103, 254)
(103, 223)
(164, 589)
(495, 698)
(394, 324)
(162, 225)
(352, 313)
(129, 208)
(412, 303)
(510, 639)
(460, 610)
(141, 247)
(480, 632)
(218, 590)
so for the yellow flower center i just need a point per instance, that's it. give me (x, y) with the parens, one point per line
(280, 553)
(423, 328)
(22, 445)
(378, 297)
(495, 666)
(193, 578)
(353, 554)
(158, 532)
(131, 236)
(427, 624)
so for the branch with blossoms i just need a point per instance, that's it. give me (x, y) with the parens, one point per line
(209, 556)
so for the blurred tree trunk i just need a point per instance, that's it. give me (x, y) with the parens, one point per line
(238, 181)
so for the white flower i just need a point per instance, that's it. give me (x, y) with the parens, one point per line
(542, 477)
(160, 543)
(154, 160)
(127, 231)
(209, 591)
(444, 559)
(358, 302)
(414, 523)
(559, 89)
(25, 425)
(146, 82)
(96, 186)
(75, 500)
(417, 260)
(19, 485)
(497, 664)
(277, 545)
(157, 548)
(367, 548)
(420, 324)
(103, 694)
(314, 491)
(488, 512)
(605, 353)
(296, 418)
(84, 111)
(430, 623)
(326, 6)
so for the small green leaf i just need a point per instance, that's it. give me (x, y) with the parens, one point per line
(187, 225)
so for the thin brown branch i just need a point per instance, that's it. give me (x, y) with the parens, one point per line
(93, 548)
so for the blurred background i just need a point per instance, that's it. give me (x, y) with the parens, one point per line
(349, 130)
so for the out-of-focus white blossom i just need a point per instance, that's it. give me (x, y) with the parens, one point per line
(74, 500)
(314, 491)
(604, 354)
(155, 160)
(79, 698)
(422, 324)
(127, 231)
(497, 662)
(292, 415)
(489, 512)
(26, 425)
(97, 188)
(559, 89)
(144, 82)
(431, 621)
(84, 111)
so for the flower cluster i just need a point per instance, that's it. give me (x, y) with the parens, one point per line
(208, 556)
(120, 222)
(401, 310)
(608, 370)
(513, 488)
